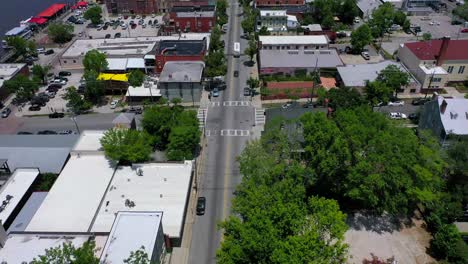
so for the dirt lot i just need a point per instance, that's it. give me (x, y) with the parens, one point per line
(384, 238)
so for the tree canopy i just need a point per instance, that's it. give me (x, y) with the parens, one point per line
(40, 72)
(95, 60)
(136, 78)
(94, 88)
(394, 78)
(344, 98)
(23, 87)
(94, 14)
(221, 15)
(68, 253)
(127, 145)
(76, 101)
(21, 46)
(138, 257)
(361, 37)
(60, 32)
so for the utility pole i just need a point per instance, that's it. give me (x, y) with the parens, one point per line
(430, 82)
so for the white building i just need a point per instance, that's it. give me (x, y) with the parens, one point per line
(304, 42)
(134, 231)
(292, 22)
(273, 20)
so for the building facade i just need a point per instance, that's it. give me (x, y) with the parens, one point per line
(9, 71)
(273, 20)
(189, 19)
(275, 3)
(436, 62)
(180, 50)
(132, 6)
(182, 79)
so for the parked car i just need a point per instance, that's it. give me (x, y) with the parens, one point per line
(247, 91)
(35, 107)
(365, 55)
(141, 22)
(64, 73)
(48, 52)
(24, 133)
(150, 22)
(59, 81)
(114, 103)
(40, 50)
(357, 20)
(201, 205)
(236, 73)
(56, 115)
(396, 103)
(134, 26)
(286, 105)
(105, 27)
(6, 112)
(420, 101)
(413, 116)
(47, 132)
(215, 92)
(107, 36)
(135, 109)
(117, 35)
(143, 26)
(465, 30)
(396, 115)
(65, 132)
(51, 94)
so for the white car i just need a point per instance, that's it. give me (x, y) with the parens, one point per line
(357, 20)
(124, 26)
(396, 115)
(365, 55)
(59, 81)
(114, 103)
(396, 103)
(40, 50)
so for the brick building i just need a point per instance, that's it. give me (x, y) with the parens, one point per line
(190, 19)
(132, 6)
(273, 3)
(179, 50)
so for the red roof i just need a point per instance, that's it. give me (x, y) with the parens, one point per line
(38, 20)
(80, 5)
(51, 10)
(290, 85)
(429, 50)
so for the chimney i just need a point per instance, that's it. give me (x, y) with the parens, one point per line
(443, 107)
(443, 50)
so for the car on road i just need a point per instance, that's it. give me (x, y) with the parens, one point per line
(47, 132)
(56, 115)
(51, 94)
(64, 73)
(420, 101)
(6, 112)
(59, 81)
(107, 36)
(308, 105)
(286, 105)
(397, 116)
(396, 103)
(236, 73)
(135, 109)
(465, 30)
(215, 92)
(117, 35)
(114, 103)
(124, 26)
(24, 133)
(247, 91)
(49, 52)
(65, 132)
(365, 55)
(41, 50)
(201, 205)
(34, 107)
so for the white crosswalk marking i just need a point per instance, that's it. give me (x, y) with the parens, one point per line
(259, 116)
(236, 103)
(215, 104)
(235, 133)
(201, 115)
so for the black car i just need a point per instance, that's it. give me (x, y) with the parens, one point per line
(413, 116)
(236, 73)
(247, 92)
(47, 132)
(52, 89)
(107, 36)
(81, 89)
(105, 27)
(48, 52)
(64, 73)
(35, 107)
(56, 115)
(201, 205)
(24, 133)
(55, 85)
(137, 110)
(420, 101)
(117, 35)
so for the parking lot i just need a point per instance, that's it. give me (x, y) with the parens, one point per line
(438, 26)
(138, 31)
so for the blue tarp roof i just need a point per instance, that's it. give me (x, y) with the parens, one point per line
(15, 31)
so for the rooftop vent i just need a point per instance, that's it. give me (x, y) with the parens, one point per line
(453, 115)
(139, 172)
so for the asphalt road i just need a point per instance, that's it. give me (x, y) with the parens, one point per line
(220, 172)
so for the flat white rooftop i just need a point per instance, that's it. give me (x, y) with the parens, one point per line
(23, 248)
(142, 91)
(163, 187)
(131, 231)
(89, 141)
(75, 196)
(294, 40)
(432, 70)
(14, 189)
(273, 13)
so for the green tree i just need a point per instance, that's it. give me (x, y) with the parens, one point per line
(382, 19)
(215, 64)
(394, 78)
(40, 72)
(377, 92)
(94, 87)
(158, 122)
(136, 78)
(23, 87)
(46, 180)
(462, 11)
(264, 31)
(21, 46)
(68, 253)
(248, 23)
(94, 14)
(95, 60)
(215, 39)
(221, 15)
(251, 50)
(348, 11)
(253, 83)
(76, 101)
(361, 37)
(443, 244)
(176, 101)
(60, 32)
(344, 98)
(138, 257)
(126, 145)
(427, 36)
(183, 141)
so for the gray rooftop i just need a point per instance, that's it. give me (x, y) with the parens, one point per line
(299, 59)
(356, 75)
(455, 116)
(182, 71)
(27, 212)
(48, 153)
(368, 6)
(124, 118)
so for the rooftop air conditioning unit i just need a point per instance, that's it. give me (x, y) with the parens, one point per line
(139, 172)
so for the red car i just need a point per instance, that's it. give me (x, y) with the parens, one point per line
(134, 26)
(465, 30)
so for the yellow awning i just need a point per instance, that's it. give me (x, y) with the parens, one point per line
(121, 77)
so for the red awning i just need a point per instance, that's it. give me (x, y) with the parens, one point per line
(51, 10)
(38, 20)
